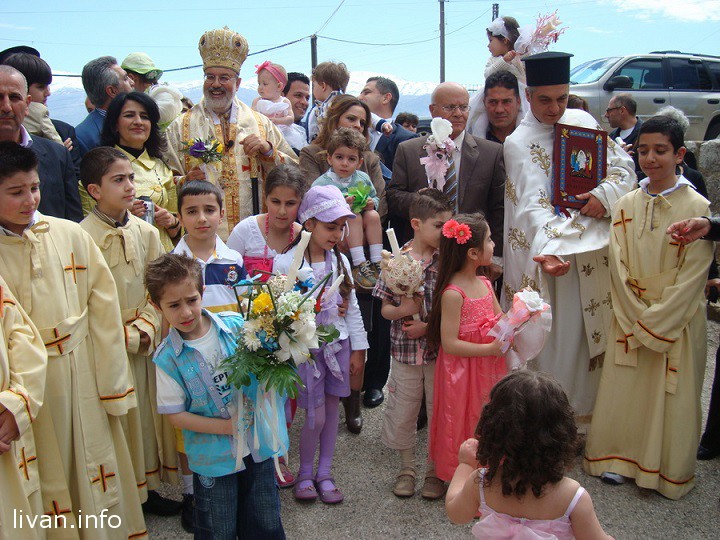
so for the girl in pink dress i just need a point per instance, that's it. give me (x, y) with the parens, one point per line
(526, 439)
(469, 363)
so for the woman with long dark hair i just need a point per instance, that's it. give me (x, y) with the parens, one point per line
(131, 125)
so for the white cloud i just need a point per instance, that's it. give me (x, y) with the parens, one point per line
(15, 27)
(688, 10)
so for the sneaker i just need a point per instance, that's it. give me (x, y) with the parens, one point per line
(187, 520)
(376, 270)
(364, 276)
(433, 488)
(614, 479)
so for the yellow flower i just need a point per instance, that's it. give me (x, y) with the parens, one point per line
(220, 148)
(262, 303)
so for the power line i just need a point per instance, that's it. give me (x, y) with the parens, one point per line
(330, 17)
(200, 65)
(405, 42)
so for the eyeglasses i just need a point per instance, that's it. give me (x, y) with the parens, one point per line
(453, 108)
(224, 79)
(607, 111)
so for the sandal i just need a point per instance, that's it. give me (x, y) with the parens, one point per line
(433, 488)
(287, 475)
(329, 496)
(304, 489)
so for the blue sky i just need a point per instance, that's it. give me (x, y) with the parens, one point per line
(70, 33)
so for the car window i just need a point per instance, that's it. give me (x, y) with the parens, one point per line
(645, 74)
(714, 72)
(689, 74)
(591, 71)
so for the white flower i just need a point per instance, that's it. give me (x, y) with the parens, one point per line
(441, 129)
(305, 331)
(251, 341)
(531, 299)
(291, 348)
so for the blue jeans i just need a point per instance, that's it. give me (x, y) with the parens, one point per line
(245, 504)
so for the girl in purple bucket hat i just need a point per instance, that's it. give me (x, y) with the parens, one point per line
(324, 214)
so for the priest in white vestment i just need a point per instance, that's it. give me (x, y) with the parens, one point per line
(564, 258)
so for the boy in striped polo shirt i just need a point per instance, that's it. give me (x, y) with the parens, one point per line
(200, 210)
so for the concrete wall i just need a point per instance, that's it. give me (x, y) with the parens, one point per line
(708, 158)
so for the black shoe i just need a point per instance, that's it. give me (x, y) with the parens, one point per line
(187, 519)
(705, 454)
(160, 506)
(373, 397)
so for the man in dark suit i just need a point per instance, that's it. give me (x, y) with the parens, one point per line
(479, 167)
(58, 183)
(621, 113)
(382, 95)
(102, 79)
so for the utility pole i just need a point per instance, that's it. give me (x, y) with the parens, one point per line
(313, 50)
(495, 11)
(442, 41)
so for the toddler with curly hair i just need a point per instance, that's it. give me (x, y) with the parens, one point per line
(525, 440)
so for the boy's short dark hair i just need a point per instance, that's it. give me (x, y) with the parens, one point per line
(334, 74)
(15, 158)
(295, 76)
(407, 118)
(346, 137)
(198, 187)
(171, 268)
(35, 69)
(428, 203)
(669, 127)
(96, 162)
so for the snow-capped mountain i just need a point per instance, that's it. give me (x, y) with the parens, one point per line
(68, 97)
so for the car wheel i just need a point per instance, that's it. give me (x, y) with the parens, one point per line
(713, 131)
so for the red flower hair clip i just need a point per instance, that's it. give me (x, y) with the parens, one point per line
(459, 231)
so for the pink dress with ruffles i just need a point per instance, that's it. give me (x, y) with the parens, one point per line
(463, 384)
(498, 526)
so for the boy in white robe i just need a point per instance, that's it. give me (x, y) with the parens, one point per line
(128, 244)
(59, 276)
(647, 416)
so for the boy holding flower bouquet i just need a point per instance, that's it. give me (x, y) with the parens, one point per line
(234, 488)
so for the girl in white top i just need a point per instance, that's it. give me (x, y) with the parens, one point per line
(272, 79)
(260, 238)
(324, 213)
(526, 439)
(508, 44)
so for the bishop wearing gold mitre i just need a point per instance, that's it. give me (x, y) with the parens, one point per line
(251, 145)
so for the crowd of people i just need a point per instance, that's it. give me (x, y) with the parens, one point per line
(122, 242)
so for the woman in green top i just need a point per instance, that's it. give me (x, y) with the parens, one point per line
(131, 125)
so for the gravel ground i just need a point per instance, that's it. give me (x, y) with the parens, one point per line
(364, 469)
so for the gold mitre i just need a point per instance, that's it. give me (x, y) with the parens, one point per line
(223, 48)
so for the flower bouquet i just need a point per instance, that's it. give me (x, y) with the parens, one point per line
(403, 275)
(205, 154)
(439, 147)
(523, 329)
